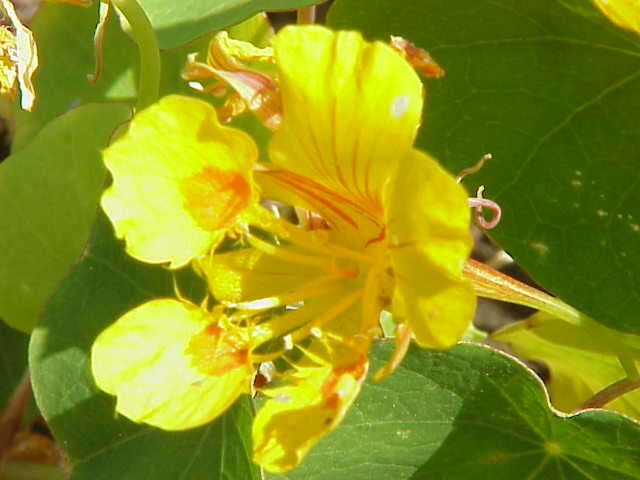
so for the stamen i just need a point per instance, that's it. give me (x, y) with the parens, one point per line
(336, 309)
(478, 203)
(476, 168)
(313, 289)
(370, 302)
(293, 257)
(302, 238)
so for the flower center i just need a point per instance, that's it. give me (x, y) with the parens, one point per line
(217, 350)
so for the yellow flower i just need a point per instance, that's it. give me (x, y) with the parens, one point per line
(624, 13)
(379, 225)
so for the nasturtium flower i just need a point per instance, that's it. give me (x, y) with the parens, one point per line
(624, 13)
(379, 226)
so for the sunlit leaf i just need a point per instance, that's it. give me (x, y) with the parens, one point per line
(551, 89)
(48, 201)
(581, 361)
(470, 412)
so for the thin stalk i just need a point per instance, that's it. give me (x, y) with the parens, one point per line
(145, 37)
(490, 283)
(612, 392)
(307, 15)
(13, 412)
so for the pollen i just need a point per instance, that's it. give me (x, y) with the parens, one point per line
(215, 197)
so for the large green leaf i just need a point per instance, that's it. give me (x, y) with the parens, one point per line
(179, 22)
(104, 285)
(554, 94)
(464, 414)
(48, 199)
(581, 360)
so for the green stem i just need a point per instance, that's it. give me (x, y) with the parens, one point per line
(612, 392)
(490, 283)
(145, 37)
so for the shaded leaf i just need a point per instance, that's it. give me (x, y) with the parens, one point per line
(467, 413)
(48, 199)
(552, 90)
(13, 360)
(104, 285)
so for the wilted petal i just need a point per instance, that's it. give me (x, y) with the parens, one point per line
(26, 56)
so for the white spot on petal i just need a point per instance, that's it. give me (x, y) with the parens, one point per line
(635, 227)
(601, 213)
(399, 106)
(576, 183)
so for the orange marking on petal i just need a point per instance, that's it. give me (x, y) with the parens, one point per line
(317, 198)
(381, 236)
(216, 351)
(321, 194)
(215, 197)
(357, 370)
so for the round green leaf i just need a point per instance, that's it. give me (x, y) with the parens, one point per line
(552, 90)
(48, 199)
(104, 285)
(467, 413)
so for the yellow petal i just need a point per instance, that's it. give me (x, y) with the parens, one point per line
(143, 359)
(429, 241)
(8, 69)
(624, 13)
(180, 180)
(26, 56)
(351, 110)
(298, 415)
(248, 274)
